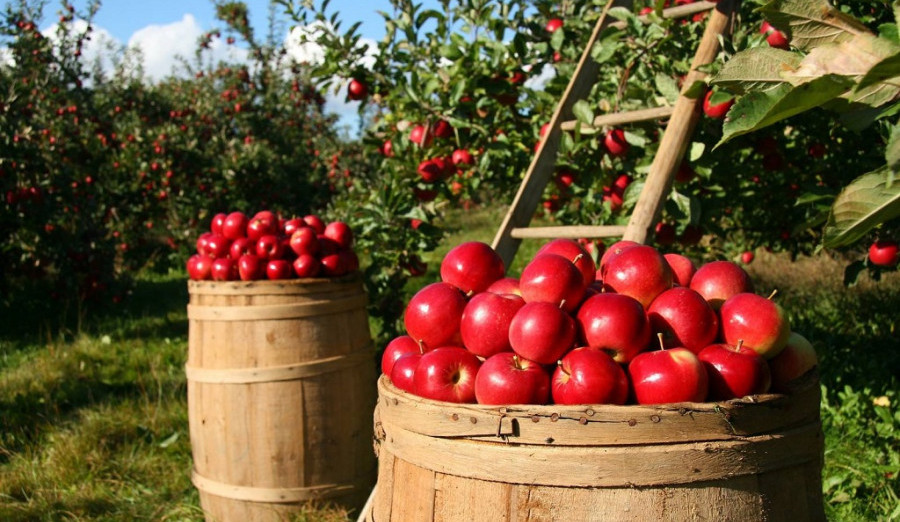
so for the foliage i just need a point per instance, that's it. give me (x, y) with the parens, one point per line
(838, 63)
(105, 173)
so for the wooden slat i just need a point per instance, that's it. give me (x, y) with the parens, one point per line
(622, 118)
(677, 135)
(568, 232)
(541, 168)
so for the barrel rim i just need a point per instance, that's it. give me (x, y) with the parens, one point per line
(590, 424)
(265, 286)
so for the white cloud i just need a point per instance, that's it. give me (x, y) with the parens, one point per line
(163, 46)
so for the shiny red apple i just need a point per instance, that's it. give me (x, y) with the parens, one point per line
(472, 267)
(552, 278)
(615, 323)
(718, 280)
(668, 376)
(734, 371)
(447, 374)
(484, 326)
(433, 315)
(587, 375)
(796, 359)
(757, 322)
(640, 272)
(541, 332)
(684, 318)
(574, 252)
(506, 378)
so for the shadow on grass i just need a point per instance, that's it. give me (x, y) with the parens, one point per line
(155, 307)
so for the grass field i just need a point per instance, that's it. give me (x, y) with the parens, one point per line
(93, 418)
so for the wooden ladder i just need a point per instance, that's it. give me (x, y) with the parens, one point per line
(683, 117)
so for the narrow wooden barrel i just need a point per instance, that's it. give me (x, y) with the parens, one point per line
(280, 390)
(754, 459)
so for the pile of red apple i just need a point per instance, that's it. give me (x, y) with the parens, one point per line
(638, 327)
(265, 245)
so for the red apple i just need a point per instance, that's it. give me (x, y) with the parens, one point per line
(291, 225)
(716, 281)
(472, 267)
(241, 246)
(443, 129)
(795, 360)
(403, 371)
(757, 322)
(461, 157)
(279, 269)
(199, 267)
(357, 90)
(574, 252)
(747, 257)
(684, 318)
(615, 143)
(682, 268)
(270, 247)
(349, 259)
(235, 225)
(432, 170)
(433, 315)
(333, 265)
(224, 269)
(447, 374)
(215, 225)
(484, 326)
(668, 376)
(587, 375)
(420, 135)
(251, 267)
(261, 225)
(203, 243)
(217, 246)
(884, 253)
(552, 278)
(615, 323)
(304, 241)
(315, 222)
(340, 232)
(506, 378)
(774, 37)
(306, 265)
(717, 111)
(734, 371)
(553, 25)
(541, 332)
(614, 250)
(395, 349)
(640, 272)
(664, 234)
(505, 285)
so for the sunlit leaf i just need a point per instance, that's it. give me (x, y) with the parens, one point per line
(759, 109)
(811, 23)
(757, 68)
(865, 203)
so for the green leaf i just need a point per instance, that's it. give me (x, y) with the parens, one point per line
(883, 70)
(892, 151)
(756, 69)
(811, 23)
(581, 109)
(759, 109)
(667, 86)
(867, 202)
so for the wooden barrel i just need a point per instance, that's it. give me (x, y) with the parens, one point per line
(281, 386)
(754, 459)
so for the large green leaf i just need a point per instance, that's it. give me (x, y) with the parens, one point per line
(862, 205)
(811, 23)
(759, 109)
(756, 69)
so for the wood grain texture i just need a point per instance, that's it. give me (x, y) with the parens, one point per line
(758, 458)
(279, 404)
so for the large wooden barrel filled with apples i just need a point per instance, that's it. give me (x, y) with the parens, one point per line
(635, 404)
(280, 393)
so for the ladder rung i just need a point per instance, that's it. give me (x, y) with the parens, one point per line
(568, 232)
(621, 118)
(679, 11)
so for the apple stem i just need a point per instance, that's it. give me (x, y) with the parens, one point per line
(421, 343)
(772, 295)
(739, 344)
(516, 362)
(562, 304)
(561, 367)
(662, 344)
(577, 258)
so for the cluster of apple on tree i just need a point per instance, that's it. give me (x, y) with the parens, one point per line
(638, 326)
(268, 246)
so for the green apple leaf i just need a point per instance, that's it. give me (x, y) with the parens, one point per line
(886, 69)
(866, 202)
(892, 152)
(581, 109)
(756, 69)
(758, 109)
(811, 23)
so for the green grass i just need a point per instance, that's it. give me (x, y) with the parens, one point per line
(93, 417)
